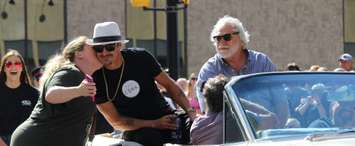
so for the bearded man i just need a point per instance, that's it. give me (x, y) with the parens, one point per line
(233, 58)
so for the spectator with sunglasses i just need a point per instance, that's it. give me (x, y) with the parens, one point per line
(234, 58)
(191, 94)
(127, 95)
(18, 97)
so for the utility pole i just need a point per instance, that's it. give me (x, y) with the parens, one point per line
(172, 39)
(171, 10)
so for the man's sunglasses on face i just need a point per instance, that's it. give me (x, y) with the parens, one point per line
(225, 37)
(108, 47)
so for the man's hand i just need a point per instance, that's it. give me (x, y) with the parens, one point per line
(165, 122)
(192, 114)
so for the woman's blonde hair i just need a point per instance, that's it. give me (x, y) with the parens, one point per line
(64, 58)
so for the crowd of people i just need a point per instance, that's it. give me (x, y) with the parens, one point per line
(97, 85)
(344, 65)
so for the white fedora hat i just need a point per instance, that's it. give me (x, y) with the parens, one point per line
(106, 33)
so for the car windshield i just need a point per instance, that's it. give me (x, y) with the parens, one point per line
(289, 104)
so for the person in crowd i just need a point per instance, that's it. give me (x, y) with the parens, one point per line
(317, 68)
(64, 112)
(18, 97)
(233, 58)
(315, 109)
(191, 94)
(293, 67)
(295, 92)
(36, 75)
(314, 67)
(182, 83)
(322, 68)
(127, 95)
(343, 114)
(345, 62)
(208, 128)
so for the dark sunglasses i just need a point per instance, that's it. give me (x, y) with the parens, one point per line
(9, 64)
(108, 47)
(225, 37)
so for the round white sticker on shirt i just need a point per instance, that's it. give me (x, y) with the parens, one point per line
(130, 88)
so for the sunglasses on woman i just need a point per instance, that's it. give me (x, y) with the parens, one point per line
(108, 47)
(9, 64)
(226, 37)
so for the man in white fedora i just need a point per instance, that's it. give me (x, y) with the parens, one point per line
(127, 95)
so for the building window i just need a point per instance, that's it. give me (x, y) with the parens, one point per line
(349, 29)
(36, 33)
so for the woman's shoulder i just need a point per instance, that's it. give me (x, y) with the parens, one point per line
(67, 75)
(69, 69)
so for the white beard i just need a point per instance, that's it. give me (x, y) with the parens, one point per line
(227, 52)
(224, 53)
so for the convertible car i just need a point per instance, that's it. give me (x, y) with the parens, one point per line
(288, 109)
(298, 108)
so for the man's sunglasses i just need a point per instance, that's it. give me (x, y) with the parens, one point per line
(9, 64)
(108, 47)
(225, 37)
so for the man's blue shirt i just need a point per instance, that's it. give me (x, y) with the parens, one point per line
(256, 62)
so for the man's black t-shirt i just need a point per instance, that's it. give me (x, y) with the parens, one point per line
(58, 124)
(15, 107)
(138, 95)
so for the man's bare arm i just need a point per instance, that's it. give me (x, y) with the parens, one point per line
(2, 143)
(176, 93)
(124, 123)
